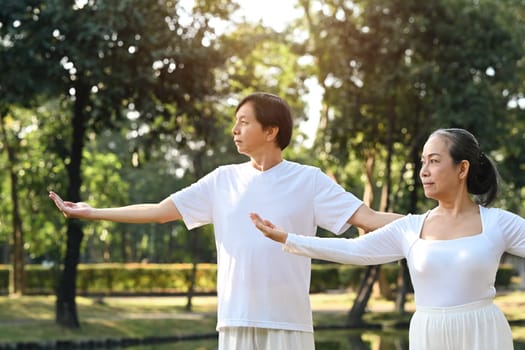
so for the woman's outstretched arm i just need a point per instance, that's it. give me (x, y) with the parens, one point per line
(378, 247)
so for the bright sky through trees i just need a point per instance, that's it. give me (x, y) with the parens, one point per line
(276, 14)
(272, 13)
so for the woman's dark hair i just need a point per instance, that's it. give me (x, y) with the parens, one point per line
(483, 177)
(271, 110)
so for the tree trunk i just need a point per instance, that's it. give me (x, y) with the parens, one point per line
(402, 287)
(17, 277)
(125, 248)
(387, 188)
(355, 341)
(403, 279)
(355, 315)
(66, 309)
(194, 235)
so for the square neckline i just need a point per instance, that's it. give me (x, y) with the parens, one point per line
(481, 217)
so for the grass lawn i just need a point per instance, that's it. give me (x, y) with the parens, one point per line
(31, 318)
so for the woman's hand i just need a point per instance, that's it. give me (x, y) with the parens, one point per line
(269, 229)
(70, 209)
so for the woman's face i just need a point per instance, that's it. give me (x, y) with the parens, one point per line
(439, 174)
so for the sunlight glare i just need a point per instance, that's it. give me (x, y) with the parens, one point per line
(272, 13)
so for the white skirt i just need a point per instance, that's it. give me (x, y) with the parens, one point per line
(476, 326)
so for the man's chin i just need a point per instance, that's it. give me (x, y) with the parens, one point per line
(241, 151)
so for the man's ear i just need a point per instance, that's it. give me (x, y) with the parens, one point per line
(271, 132)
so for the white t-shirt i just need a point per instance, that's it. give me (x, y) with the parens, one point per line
(443, 272)
(258, 284)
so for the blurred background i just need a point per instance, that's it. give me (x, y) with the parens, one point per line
(118, 102)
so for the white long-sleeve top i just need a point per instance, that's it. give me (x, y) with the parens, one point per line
(443, 272)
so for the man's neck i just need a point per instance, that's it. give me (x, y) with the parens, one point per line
(266, 162)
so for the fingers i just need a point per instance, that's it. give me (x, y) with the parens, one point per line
(257, 221)
(268, 223)
(269, 229)
(255, 217)
(55, 197)
(58, 202)
(260, 222)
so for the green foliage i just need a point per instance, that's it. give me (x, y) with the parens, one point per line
(504, 275)
(120, 278)
(394, 70)
(161, 86)
(37, 170)
(260, 59)
(144, 278)
(350, 276)
(134, 278)
(146, 68)
(324, 277)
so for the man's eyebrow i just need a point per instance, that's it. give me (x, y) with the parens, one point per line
(431, 155)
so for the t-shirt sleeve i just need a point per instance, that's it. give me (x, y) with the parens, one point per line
(384, 245)
(333, 205)
(195, 202)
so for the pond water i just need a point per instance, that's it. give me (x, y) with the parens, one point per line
(324, 340)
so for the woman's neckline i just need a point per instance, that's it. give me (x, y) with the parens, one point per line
(453, 238)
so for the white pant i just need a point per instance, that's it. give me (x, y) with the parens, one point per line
(476, 326)
(249, 338)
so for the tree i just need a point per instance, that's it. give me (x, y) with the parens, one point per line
(108, 58)
(398, 69)
(11, 144)
(17, 89)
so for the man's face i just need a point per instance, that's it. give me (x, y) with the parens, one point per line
(248, 133)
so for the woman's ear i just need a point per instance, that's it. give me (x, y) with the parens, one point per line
(464, 167)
